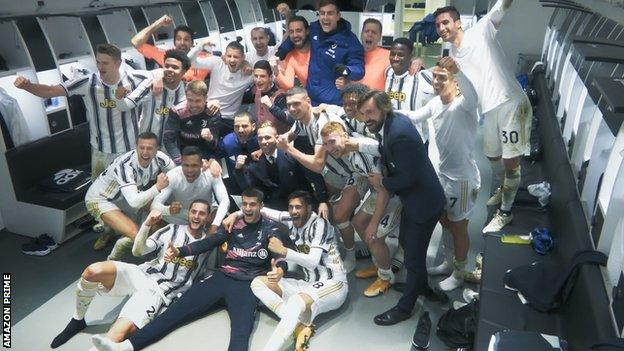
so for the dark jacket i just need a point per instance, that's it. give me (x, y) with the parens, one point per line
(290, 176)
(327, 50)
(408, 171)
(230, 148)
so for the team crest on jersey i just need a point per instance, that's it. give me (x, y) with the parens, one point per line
(303, 248)
(204, 123)
(108, 103)
(396, 95)
(262, 254)
(162, 110)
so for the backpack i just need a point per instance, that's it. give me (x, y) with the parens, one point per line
(457, 327)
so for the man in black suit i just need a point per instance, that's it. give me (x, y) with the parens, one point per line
(408, 173)
(278, 174)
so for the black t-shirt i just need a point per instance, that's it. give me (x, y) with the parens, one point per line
(247, 254)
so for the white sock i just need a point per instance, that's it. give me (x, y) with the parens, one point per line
(447, 247)
(510, 188)
(102, 343)
(85, 291)
(349, 260)
(269, 298)
(386, 274)
(294, 308)
(456, 279)
(498, 173)
(122, 247)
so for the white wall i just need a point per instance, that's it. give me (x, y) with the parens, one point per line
(523, 29)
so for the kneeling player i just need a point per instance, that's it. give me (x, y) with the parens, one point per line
(324, 287)
(150, 285)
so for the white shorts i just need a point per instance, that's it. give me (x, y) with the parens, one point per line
(507, 129)
(460, 197)
(327, 295)
(97, 207)
(333, 180)
(100, 161)
(145, 297)
(392, 217)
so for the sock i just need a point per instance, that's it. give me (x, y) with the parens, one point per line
(73, 327)
(447, 250)
(386, 274)
(510, 188)
(294, 308)
(498, 173)
(102, 343)
(456, 279)
(122, 247)
(269, 298)
(85, 291)
(349, 260)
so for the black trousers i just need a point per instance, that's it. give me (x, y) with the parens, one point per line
(414, 238)
(196, 302)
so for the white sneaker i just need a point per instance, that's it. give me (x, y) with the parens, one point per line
(496, 198)
(442, 269)
(469, 295)
(498, 222)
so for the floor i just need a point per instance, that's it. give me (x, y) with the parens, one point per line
(43, 300)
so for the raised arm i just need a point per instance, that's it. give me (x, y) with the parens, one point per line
(143, 36)
(142, 245)
(315, 162)
(220, 193)
(420, 115)
(41, 90)
(497, 12)
(204, 245)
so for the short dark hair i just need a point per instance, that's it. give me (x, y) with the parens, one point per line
(265, 65)
(295, 91)
(180, 56)
(380, 98)
(245, 114)
(253, 192)
(183, 28)
(373, 20)
(301, 194)
(147, 135)
(323, 3)
(110, 50)
(200, 201)
(405, 42)
(191, 151)
(354, 88)
(236, 46)
(301, 19)
(451, 10)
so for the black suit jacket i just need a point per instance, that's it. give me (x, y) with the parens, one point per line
(409, 172)
(291, 176)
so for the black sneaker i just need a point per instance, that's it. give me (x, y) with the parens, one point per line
(420, 340)
(35, 248)
(46, 240)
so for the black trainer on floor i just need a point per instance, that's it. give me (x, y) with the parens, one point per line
(73, 327)
(420, 340)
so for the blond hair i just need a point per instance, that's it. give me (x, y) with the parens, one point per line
(331, 127)
(197, 87)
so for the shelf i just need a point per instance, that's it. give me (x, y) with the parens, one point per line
(52, 109)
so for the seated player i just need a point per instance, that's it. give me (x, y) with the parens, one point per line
(324, 287)
(379, 214)
(187, 183)
(151, 285)
(121, 190)
(247, 257)
(454, 115)
(269, 102)
(278, 174)
(192, 123)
